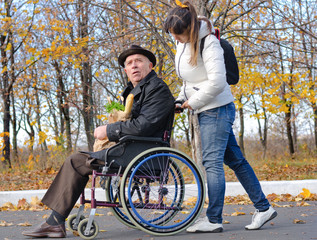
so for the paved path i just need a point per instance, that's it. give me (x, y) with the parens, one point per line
(281, 228)
(232, 189)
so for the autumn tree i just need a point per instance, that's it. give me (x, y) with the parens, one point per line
(16, 22)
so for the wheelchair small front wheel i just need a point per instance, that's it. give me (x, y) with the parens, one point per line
(71, 222)
(94, 230)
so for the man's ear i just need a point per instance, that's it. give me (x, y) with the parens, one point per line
(151, 65)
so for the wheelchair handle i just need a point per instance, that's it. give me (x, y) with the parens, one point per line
(178, 109)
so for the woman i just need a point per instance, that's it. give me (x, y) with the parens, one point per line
(206, 92)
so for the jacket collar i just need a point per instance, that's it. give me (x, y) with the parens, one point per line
(135, 91)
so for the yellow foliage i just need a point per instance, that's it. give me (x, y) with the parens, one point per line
(9, 47)
(5, 134)
(306, 193)
(284, 108)
(4, 69)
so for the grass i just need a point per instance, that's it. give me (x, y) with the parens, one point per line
(282, 169)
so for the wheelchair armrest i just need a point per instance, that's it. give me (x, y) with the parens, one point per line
(131, 138)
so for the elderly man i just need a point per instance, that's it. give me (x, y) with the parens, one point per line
(152, 114)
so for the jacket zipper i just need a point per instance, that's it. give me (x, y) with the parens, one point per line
(179, 59)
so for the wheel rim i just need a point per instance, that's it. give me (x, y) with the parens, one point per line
(178, 224)
(130, 197)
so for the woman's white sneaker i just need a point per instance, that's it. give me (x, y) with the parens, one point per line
(260, 218)
(203, 225)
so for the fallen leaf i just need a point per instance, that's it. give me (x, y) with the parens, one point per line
(35, 201)
(25, 224)
(297, 221)
(158, 212)
(226, 222)
(302, 204)
(8, 205)
(184, 212)
(306, 193)
(22, 204)
(237, 213)
(5, 224)
(192, 199)
(99, 214)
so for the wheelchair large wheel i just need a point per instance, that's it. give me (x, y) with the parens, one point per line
(113, 197)
(162, 191)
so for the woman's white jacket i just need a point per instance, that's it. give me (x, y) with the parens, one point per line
(204, 85)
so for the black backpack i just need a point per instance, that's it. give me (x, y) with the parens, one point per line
(231, 64)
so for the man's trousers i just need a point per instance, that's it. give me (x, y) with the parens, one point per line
(68, 184)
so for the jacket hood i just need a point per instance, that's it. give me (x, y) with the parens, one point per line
(204, 31)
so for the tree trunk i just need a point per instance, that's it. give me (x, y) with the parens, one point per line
(86, 77)
(14, 129)
(6, 89)
(64, 107)
(38, 120)
(6, 130)
(315, 123)
(265, 130)
(288, 122)
(196, 141)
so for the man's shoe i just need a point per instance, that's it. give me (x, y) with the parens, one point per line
(46, 230)
(203, 225)
(260, 218)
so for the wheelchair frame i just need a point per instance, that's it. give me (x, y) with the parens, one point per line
(161, 190)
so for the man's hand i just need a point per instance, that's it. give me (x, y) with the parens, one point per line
(101, 132)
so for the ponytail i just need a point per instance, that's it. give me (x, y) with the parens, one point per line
(193, 34)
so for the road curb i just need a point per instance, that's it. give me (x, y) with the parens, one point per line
(232, 189)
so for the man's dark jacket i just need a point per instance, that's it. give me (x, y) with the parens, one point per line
(152, 110)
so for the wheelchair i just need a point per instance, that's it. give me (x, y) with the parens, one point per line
(148, 186)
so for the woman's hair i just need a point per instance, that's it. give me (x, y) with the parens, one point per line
(182, 19)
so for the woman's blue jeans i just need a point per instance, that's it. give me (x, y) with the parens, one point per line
(220, 146)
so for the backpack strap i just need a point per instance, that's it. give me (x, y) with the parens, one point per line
(202, 41)
(217, 33)
(202, 44)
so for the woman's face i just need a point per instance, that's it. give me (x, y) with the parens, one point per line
(182, 38)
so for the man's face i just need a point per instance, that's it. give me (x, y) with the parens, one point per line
(137, 67)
